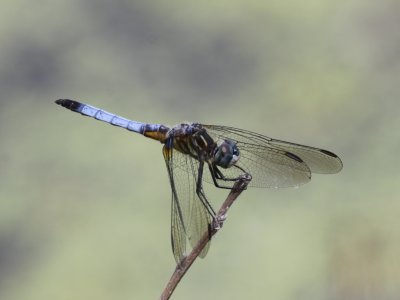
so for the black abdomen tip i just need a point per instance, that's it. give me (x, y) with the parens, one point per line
(70, 104)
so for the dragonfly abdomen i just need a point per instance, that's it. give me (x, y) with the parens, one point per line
(154, 131)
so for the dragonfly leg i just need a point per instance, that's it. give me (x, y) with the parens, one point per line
(218, 222)
(200, 192)
(216, 175)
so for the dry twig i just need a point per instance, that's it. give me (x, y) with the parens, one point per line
(239, 186)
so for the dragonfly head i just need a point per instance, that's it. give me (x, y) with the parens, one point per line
(226, 154)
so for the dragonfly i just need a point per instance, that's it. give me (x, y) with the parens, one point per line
(195, 152)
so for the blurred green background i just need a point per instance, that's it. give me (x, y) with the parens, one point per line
(85, 207)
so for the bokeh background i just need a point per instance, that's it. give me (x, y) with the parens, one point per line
(85, 207)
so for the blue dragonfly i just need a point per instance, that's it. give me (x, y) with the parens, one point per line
(195, 152)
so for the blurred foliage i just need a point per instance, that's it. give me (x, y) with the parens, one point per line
(84, 207)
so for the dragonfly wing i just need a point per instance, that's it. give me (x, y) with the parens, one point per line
(275, 163)
(271, 167)
(178, 231)
(199, 220)
(189, 217)
(319, 160)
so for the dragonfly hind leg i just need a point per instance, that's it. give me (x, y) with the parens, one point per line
(200, 192)
(217, 221)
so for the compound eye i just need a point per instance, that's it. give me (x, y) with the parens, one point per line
(226, 154)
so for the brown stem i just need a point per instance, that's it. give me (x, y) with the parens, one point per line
(184, 265)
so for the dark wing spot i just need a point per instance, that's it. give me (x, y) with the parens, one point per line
(70, 104)
(293, 156)
(328, 153)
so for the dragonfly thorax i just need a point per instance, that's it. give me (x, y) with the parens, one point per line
(226, 154)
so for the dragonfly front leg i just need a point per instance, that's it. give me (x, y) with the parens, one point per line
(216, 175)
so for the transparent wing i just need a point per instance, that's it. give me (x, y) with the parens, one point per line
(189, 217)
(275, 163)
